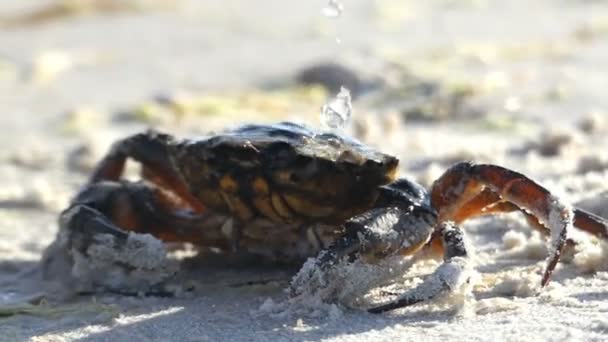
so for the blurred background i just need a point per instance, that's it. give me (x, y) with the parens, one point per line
(518, 83)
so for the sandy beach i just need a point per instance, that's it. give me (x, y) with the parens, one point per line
(514, 83)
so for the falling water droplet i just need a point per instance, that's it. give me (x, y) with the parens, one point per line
(336, 113)
(333, 9)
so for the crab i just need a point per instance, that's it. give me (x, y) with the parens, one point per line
(288, 192)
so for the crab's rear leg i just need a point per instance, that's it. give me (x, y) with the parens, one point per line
(489, 202)
(118, 207)
(154, 151)
(591, 223)
(466, 189)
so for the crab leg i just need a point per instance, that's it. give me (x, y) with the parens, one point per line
(153, 151)
(591, 223)
(466, 182)
(96, 237)
(490, 202)
(118, 207)
(447, 277)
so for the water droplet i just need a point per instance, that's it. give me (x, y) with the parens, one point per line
(333, 9)
(336, 113)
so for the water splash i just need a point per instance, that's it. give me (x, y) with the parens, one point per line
(333, 9)
(337, 112)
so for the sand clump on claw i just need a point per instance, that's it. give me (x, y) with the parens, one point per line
(142, 252)
(360, 286)
(329, 292)
(140, 263)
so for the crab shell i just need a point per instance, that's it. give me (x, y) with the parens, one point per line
(285, 172)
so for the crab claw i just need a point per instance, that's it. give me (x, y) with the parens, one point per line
(313, 273)
(449, 276)
(371, 236)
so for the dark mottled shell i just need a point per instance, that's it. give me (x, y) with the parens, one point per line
(303, 140)
(317, 175)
